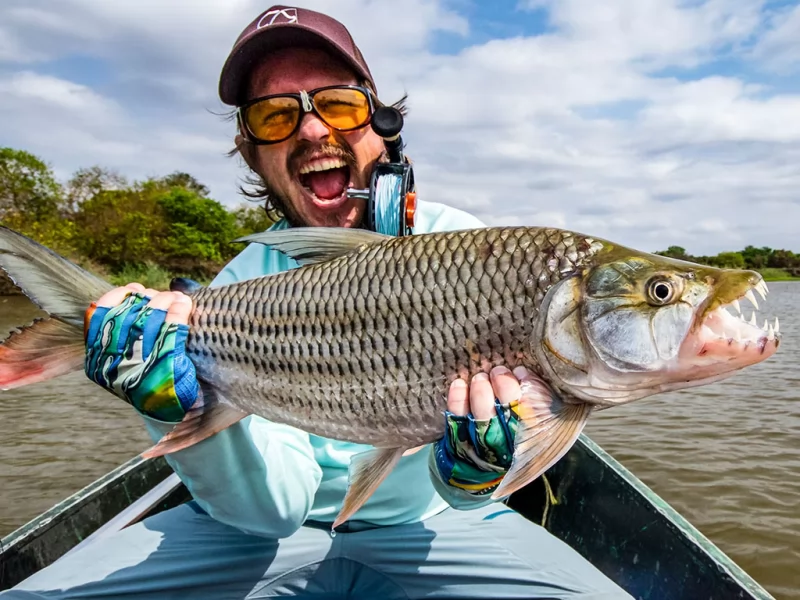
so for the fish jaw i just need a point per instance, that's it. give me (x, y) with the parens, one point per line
(723, 340)
(607, 346)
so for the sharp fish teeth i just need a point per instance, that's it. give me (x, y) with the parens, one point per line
(766, 324)
(750, 296)
(770, 333)
(777, 328)
(737, 306)
(753, 320)
(760, 289)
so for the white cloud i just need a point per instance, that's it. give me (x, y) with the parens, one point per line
(779, 48)
(654, 32)
(577, 127)
(55, 94)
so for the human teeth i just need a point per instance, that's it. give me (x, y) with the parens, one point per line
(322, 165)
(737, 306)
(750, 296)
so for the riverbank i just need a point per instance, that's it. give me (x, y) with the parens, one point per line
(777, 275)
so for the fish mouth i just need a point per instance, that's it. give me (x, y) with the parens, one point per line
(724, 333)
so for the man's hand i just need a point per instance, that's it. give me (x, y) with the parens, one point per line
(481, 422)
(135, 348)
(478, 398)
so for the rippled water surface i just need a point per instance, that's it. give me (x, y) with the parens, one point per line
(726, 456)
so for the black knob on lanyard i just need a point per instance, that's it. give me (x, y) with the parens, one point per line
(387, 122)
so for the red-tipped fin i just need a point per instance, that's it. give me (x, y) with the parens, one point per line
(547, 430)
(205, 418)
(367, 471)
(48, 348)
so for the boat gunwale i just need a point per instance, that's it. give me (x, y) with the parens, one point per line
(71, 504)
(688, 533)
(697, 544)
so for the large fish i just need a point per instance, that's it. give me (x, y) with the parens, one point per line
(361, 342)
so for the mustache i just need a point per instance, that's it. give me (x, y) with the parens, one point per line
(307, 150)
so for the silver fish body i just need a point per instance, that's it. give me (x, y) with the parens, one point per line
(363, 347)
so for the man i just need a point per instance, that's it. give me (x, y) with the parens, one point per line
(265, 494)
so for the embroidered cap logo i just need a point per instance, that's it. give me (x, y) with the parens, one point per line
(283, 15)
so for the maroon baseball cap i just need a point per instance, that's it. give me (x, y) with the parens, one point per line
(279, 27)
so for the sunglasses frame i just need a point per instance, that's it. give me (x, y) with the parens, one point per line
(301, 98)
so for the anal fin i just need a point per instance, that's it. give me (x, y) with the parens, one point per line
(207, 416)
(548, 428)
(367, 471)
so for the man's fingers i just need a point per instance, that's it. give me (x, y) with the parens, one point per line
(180, 309)
(522, 374)
(505, 384)
(162, 300)
(481, 397)
(531, 384)
(458, 398)
(113, 297)
(177, 305)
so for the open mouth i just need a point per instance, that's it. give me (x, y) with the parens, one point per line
(326, 180)
(727, 330)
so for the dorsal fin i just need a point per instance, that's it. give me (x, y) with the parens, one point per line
(308, 245)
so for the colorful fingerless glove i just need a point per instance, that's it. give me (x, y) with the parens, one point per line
(474, 455)
(132, 352)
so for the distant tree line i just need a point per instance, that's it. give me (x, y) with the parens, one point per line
(123, 228)
(151, 230)
(750, 258)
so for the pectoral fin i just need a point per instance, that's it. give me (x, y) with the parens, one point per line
(367, 471)
(207, 416)
(547, 430)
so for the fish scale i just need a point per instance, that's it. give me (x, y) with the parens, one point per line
(364, 347)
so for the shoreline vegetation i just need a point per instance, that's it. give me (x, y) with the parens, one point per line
(147, 231)
(163, 227)
(774, 265)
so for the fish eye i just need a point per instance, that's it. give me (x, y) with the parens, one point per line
(660, 290)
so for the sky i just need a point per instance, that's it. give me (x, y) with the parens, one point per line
(650, 123)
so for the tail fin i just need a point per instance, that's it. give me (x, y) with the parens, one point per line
(53, 346)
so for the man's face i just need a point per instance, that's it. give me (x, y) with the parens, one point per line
(311, 170)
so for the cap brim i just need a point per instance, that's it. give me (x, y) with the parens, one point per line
(242, 60)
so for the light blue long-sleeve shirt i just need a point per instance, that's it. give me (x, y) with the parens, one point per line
(268, 479)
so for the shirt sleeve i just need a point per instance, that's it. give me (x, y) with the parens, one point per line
(258, 476)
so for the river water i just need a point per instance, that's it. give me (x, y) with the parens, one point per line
(726, 456)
